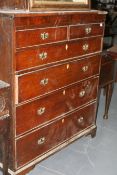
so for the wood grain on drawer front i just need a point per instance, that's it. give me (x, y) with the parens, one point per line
(50, 20)
(43, 55)
(85, 18)
(47, 80)
(38, 142)
(26, 38)
(88, 30)
(46, 109)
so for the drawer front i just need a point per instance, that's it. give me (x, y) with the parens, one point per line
(42, 21)
(81, 120)
(85, 18)
(36, 143)
(40, 111)
(26, 38)
(58, 20)
(44, 81)
(88, 30)
(43, 55)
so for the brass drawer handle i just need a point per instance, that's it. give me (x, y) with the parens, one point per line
(44, 82)
(80, 120)
(85, 47)
(82, 93)
(44, 36)
(88, 30)
(85, 68)
(41, 141)
(41, 111)
(43, 55)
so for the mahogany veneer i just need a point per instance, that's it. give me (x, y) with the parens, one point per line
(52, 61)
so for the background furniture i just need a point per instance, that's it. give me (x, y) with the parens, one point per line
(107, 63)
(108, 75)
(4, 124)
(111, 20)
(54, 64)
(106, 80)
(112, 52)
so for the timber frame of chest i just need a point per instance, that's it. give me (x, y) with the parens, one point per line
(52, 62)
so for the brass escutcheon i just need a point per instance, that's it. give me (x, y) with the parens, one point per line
(82, 93)
(80, 120)
(44, 82)
(41, 111)
(41, 141)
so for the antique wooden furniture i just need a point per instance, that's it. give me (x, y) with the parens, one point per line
(108, 75)
(4, 124)
(54, 62)
(112, 52)
(35, 5)
(111, 20)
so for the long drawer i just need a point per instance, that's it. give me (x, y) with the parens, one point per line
(44, 139)
(47, 80)
(46, 109)
(43, 55)
(26, 38)
(58, 20)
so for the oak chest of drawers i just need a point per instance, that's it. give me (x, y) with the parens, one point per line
(52, 61)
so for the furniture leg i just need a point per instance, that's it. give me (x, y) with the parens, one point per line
(98, 99)
(93, 133)
(109, 92)
(5, 155)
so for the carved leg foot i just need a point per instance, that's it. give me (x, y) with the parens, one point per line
(109, 92)
(93, 133)
(98, 99)
(25, 172)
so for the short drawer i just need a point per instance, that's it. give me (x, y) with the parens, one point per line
(32, 37)
(48, 54)
(88, 30)
(40, 111)
(85, 18)
(47, 80)
(38, 142)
